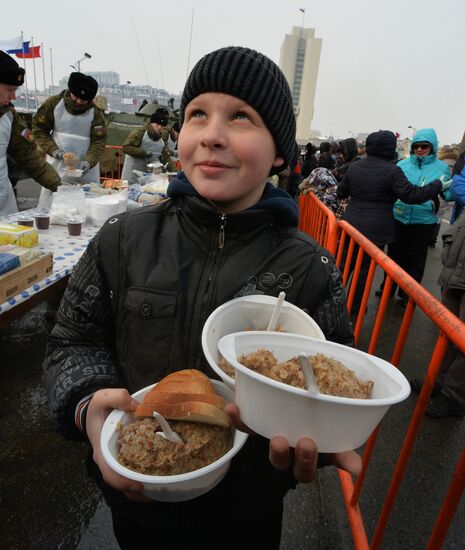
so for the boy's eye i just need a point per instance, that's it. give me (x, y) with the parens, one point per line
(240, 115)
(197, 113)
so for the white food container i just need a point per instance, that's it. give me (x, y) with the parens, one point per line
(336, 424)
(174, 488)
(251, 312)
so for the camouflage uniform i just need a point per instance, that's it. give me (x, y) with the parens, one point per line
(134, 147)
(43, 124)
(23, 149)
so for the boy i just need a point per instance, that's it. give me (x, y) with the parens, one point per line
(136, 304)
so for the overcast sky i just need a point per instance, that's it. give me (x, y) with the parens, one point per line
(384, 64)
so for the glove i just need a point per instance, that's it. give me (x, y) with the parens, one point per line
(446, 183)
(84, 166)
(58, 154)
(148, 154)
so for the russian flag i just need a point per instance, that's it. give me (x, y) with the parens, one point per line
(24, 49)
(32, 53)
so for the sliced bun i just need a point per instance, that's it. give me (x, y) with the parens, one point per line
(185, 395)
(192, 411)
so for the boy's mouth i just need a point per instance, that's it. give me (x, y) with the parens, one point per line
(212, 168)
(213, 164)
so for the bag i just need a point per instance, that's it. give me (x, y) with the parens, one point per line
(68, 202)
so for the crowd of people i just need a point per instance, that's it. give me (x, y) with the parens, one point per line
(398, 205)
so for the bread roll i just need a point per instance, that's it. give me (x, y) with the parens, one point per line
(185, 395)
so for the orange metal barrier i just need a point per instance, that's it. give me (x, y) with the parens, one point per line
(318, 221)
(451, 330)
(111, 163)
(315, 221)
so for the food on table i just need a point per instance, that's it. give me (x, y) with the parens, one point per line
(186, 398)
(333, 378)
(70, 160)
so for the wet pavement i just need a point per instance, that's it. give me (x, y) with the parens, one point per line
(47, 501)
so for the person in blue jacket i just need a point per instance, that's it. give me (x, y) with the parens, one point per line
(415, 223)
(458, 187)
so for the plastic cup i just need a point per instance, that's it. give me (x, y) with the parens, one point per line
(26, 220)
(74, 227)
(42, 220)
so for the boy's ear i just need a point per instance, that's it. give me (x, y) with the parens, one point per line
(278, 161)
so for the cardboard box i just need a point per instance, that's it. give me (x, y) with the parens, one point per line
(19, 235)
(23, 277)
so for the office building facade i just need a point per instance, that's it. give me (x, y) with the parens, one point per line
(300, 61)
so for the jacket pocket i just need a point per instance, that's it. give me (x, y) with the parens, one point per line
(148, 334)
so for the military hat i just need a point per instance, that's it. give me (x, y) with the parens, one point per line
(159, 118)
(162, 111)
(82, 86)
(10, 72)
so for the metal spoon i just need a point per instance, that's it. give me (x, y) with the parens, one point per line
(167, 432)
(310, 380)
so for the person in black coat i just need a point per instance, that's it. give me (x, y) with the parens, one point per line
(310, 162)
(372, 186)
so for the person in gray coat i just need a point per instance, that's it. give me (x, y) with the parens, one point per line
(448, 395)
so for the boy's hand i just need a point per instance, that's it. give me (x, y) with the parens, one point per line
(304, 458)
(100, 406)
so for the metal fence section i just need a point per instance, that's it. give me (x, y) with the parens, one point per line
(351, 247)
(318, 221)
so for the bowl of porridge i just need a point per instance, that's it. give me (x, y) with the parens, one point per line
(250, 313)
(355, 389)
(170, 472)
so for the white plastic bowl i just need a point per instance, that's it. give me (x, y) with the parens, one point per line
(175, 488)
(252, 312)
(336, 424)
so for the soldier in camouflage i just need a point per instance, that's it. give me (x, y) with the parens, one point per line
(16, 140)
(145, 145)
(70, 123)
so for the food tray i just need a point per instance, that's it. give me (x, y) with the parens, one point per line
(19, 279)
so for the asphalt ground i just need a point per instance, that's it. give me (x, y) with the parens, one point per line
(47, 501)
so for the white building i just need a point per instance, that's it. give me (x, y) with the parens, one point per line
(300, 61)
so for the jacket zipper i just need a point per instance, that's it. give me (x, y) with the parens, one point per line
(213, 270)
(221, 233)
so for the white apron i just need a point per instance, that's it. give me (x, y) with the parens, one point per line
(7, 197)
(72, 134)
(133, 163)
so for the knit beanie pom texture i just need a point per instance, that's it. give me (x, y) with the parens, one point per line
(254, 78)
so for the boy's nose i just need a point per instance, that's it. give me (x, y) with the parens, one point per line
(213, 135)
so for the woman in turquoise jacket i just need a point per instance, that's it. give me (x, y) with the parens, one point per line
(415, 223)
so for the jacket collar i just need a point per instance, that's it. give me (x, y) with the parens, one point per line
(275, 204)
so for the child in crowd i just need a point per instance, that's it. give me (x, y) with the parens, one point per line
(136, 304)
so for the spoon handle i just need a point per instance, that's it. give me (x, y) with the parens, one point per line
(167, 431)
(310, 380)
(276, 310)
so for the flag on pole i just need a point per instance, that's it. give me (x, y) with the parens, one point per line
(31, 54)
(24, 49)
(302, 10)
(11, 44)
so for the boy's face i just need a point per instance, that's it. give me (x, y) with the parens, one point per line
(226, 151)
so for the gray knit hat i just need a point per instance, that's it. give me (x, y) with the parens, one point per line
(254, 78)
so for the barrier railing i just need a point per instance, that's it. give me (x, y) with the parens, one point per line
(318, 220)
(353, 245)
(451, 329)
(111, 163)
